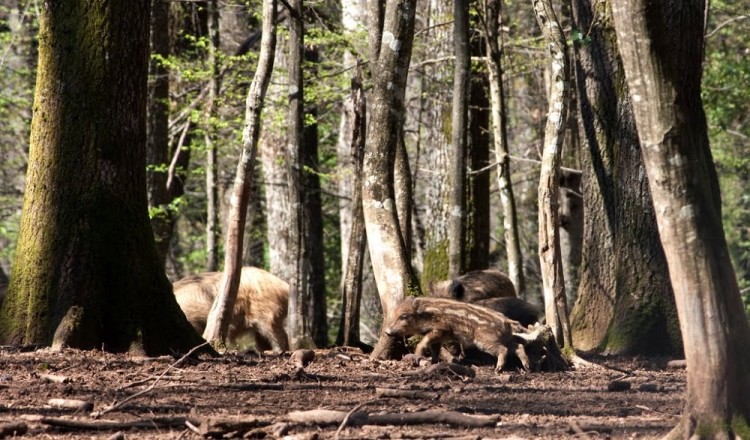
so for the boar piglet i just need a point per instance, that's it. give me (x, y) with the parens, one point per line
(474, 286)
(444, 320)
(260, 308)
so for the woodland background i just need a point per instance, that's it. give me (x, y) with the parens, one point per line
(207, 89)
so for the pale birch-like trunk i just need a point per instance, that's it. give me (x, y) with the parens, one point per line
(493, 18)
(212, 188)
(218, 317)
(390, 65)
(664, 78)
(553, 283)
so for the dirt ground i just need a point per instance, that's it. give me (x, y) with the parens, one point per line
(160, 397)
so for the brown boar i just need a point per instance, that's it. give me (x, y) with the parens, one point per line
(260, 308)
(514, 308)
(441, 320)
(474, 286)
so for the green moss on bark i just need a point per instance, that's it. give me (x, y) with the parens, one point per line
(435, 266)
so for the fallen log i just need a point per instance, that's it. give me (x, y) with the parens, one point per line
(331, 417)
(153, 423)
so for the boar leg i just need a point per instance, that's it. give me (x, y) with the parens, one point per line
(272, 337)
(502, 355)
(433, 341)
(261, 342)
(521, 353)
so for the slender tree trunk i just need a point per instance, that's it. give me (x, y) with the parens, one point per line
(555, 302)
(664, 78)
(218, 317)
(86, 272)
(493, 14)
(157, 144)
(300, 296)
(212, 187)
(389, 65)
(313, 213)
(459, 136)
(351, 294)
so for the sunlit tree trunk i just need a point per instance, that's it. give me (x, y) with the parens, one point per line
(664, 78)
(493, 15)
(218, 317)
(394, 22)
(212, 187)
(555, 302)
(86, 272)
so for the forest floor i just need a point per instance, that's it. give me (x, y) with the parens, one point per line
(267, 396)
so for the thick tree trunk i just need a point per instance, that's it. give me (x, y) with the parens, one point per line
(389, 64)
(218, 317)
(86, 272)
(459, 136)
(664, 77)
(493, 14)
(625, 302)
(555, 302)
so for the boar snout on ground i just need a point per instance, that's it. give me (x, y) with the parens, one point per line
(260, 308)
(441, 320)
(474, 286)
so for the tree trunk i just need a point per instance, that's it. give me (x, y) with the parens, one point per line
(157, 129)
(300, 295)
(555, 303)
(478, 205)
(313, 213)
(389, 64)
(351, 292)
(459, 136)
(218, 317)
(493, 18)
(664, 78)
(86, 272)
(212, 187)
(625, 302)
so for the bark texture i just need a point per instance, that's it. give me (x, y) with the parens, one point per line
(86, 272)
(218, 317)
(661, 47)
(493, 15)
(390, 64)
(625, 302)
(553, 283)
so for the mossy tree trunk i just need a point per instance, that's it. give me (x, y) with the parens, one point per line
(86, 272)
(661, 45)
(625, 302)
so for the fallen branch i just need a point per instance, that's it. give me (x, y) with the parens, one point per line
(331, 417)
(75, 404)
(13, 429)
(155, 423)
(218, 427)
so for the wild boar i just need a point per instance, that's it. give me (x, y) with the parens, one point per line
(441, 320)
(260, 308)
(474, 286)
(514, 308)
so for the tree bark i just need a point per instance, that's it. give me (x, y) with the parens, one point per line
(664, 78)
(556, 310)
(299, 321)
(218, 317)
(389, 64)
(625, 302)
(459, 136)
(351, 294)
(212, 187)
(493, 17)
(86, 272)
